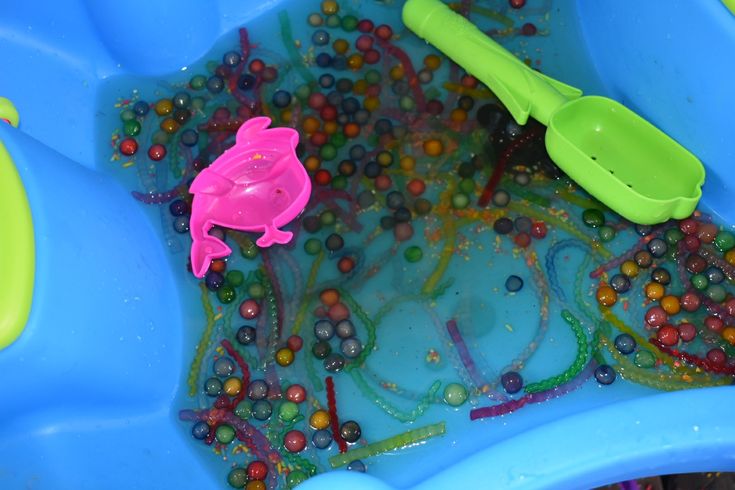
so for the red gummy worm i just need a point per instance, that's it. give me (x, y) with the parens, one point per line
(413, 79)
(502, 409)
(499, 169)
(333, 420)
(245, 50)
(692, 359)
(243, 367)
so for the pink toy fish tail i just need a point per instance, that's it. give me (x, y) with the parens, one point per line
(274, 235)
(203, 251)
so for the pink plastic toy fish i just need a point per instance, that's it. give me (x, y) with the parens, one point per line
(257, 185)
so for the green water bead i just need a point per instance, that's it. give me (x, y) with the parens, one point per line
(211, 66)
(455, 394)
(349, 23)
(127, 115)
(295, 477)
(699, 281)
(406, 103)
(327, 218)
(198, 104)
(338, 140)
(312, 246)
(413, 254)
(238, 477)
(373, 76)
(131, 127)
(339, 182)
(467, 186)
(716, 292)
(384, 158)
(198, 82)
(256, 290)
(244, 409)
(226, 294)
(302, 92)
(235, 278)
(593, 218)
(724, 241)
(288, 411)
(644, 359)
(460, 200)
(673, 236)
(161, 138)
(333, 20)
(606, 233)
(225, 434)
(328, 152)
(249, 250)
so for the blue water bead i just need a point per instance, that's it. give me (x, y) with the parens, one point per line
(281, 99)
(326, 80)
(620, 283)
(323, 60)
(231, 58)
(643, 230)
(372, 170)
(625, 343)
(189, 137)
(361, 116)
(334, 363)
(214, 280)
(141, 108)
(351, 105)
(714, 275)
(181, 100)
(224, 366)
(246, 335)
(200, 430)
(320, 37)
(523, 224)
(213, 386)
(335, 98)
(178, 207)
(246, 82)
(357, 465)
(395, 200)
(357, 152)
(513, 284)
(181, 224)
(321, 439)
(344, 85)
(345, 329)
(351, 348)
(323, 330)
(262, 409)
(402, 215)
(604, 374)
(257, 389)
(657, 247)
(215, 84)
(512, 382)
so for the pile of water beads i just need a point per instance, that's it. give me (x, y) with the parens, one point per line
(417, 170)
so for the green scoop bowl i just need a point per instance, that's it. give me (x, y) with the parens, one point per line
(618, 157)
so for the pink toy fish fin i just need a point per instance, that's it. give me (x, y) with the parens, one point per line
(273, 235)
(204, 251)
(210, 182)
(250, 129)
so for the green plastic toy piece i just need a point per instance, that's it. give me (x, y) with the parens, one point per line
(614, 154)
(17, 249)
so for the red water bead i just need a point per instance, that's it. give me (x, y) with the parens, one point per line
(691, 243)
(695, 264)
(687, 332)
(320, 312)
(403, 232)
(338, 312)
(517, 4)
(714, 324)
(717, 356)
(346, 264)
(257, 470)
(128, 146)
(322, 177)
(157, 152)
(270, 74)
(730, 306)
(221, 114)
(328, 112)
(365, 25)
(522, 239)
(371, 57)
(319, 138)
(218, 266)
(688, 226)
(373, 90)
(416, 187)
(434, 107)
(383, 182)
(244, 112)
(256, 66)
(223, 71)
(364, 43)
(528, 29)
(296, 394)
(249, 309)
(295, 343)
(538, 229)
(469, 81)
(656, 316)
(317, 100)
(707, 232)
(690, 302)
(384, 32)
(294, 441)
(668, 335)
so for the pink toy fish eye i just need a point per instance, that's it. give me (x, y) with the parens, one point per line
(257, 185)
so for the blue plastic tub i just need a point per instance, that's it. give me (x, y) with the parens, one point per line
(93, 387)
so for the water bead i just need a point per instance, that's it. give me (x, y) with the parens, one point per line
(661, 276)
(716, 292)
(288, 411)
(517, 4)
(284, 357)
(200, 430)
(604, 374)
(673, 236)
(295, 478)
(714, 324)
(455, 394)
(707, 232)
(501, 198)
(643, 230)
(503, 226)
(232, 386)
(315, 19)
(225, 434)
(345, 329)
(296, 393)
(654, 291)
(538, 230)
(321, 439)
(157, 152)
(351, 348)
(189, 137)
(131, 127)
(625, 343)
(294, 441)
(670, 304)
(687, 332)
(644, 359)
(422, 206)
(714, 275)
(312, 246)
(656, 316)
(643, 259)
(606, 296)
(224, 366)
(181, 224)
(349, 23)
(128, 146)
(512, 382)
(460, 200)
(321, 349)
(724, 241)
(668, 335)
(214, 280)
(699, 281)
(593, 218)
(327, 218)
(255, 485)
(403, 232)
(319, 419)
(413, 254)
(181, 116)
(690, 301)
(620, 283)
(249, 309)
(334, 363)
(350, 431)
(334, 242)
(695, 264)
(513, 284)
(691, 243)
(257, 389)
(323, 330)
(716, 356)
(262, 410)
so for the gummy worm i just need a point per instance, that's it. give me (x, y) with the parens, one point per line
(713, 259)
(304, 304)
(203, 342)
(464, 353)
(243, 368)
(692, 359)
(450, 238)
(369, 325)
(628, 255)
(333, 417)
(394, 412)
(293, 54)
(411, 76)
(400, 441)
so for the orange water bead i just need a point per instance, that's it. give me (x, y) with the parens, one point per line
(286, 115)
(730, 256)
(329, 297)
(371, 103)
(606, 295)
(351, 130)
(469, 81)
(629, 268)
(407, 163)
(397, 72)
(218, 266)
(319, 420)
(355, 61)
(416, 187)
(360, 87)
(310, 124)
(654, 291)
(458, 115)
(670, 304)
(169, 125)
(340, 46)
(255, 485)
(232, 386)
(284, 357)
(728, 333)
(331, 127)
(312, 163)
(330, 7)
(164, 107)
(346, 264)
(433, 147)
(432, 62)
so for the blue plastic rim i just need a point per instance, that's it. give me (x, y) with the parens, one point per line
(89, 386)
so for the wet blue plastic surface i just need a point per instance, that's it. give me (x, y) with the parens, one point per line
(88, 388)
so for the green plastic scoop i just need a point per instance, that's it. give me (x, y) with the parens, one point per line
(614, 154)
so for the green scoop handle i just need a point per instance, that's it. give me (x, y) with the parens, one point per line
(521, 89)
